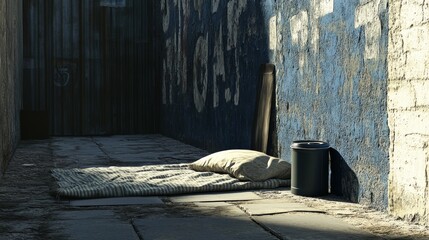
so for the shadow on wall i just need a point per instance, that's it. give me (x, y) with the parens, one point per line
(211, 51)
(273, 144)
(344, 181)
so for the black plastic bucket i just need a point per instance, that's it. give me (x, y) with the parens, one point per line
(310, 168)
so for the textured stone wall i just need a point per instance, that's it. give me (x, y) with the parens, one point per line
(10, 77)
(408, 108)
(332, 86)
(212, 53)
(331, 60)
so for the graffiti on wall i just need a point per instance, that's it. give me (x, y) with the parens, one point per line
(215, 5)
(176, 67)
(165, 11)
(218, 66)
(62, 76)
(200, 73)
(235, 8)
(63, 72)
(180, 71)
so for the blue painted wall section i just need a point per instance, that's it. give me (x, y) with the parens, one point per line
(331, 78)
(332, 86)
(211, 60)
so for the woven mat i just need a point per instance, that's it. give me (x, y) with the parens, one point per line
(152, 180)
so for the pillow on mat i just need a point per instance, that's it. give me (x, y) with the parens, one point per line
(246, 165)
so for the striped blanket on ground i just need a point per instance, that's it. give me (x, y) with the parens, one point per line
(152, 180)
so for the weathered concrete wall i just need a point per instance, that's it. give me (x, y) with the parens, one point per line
(408, 105)
(213, 50)
(331, 59)
(332, 85)
(10, 77)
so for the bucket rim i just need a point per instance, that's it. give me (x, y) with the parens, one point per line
(309, 145)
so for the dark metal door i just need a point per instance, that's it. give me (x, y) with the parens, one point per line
(90, 65)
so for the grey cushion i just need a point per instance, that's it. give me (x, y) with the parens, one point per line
(246, 165)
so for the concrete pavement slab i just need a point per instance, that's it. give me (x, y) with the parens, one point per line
(86, 214)
(216, 197)
(212, 204)
(204, 227)
(136, 157)
(303, 226)
(119, 201)
(94, 229)
(275, 206)
(218, 209)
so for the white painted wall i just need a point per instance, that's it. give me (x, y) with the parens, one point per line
(408, 108)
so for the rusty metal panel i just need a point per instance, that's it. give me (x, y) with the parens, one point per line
(91, 66)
